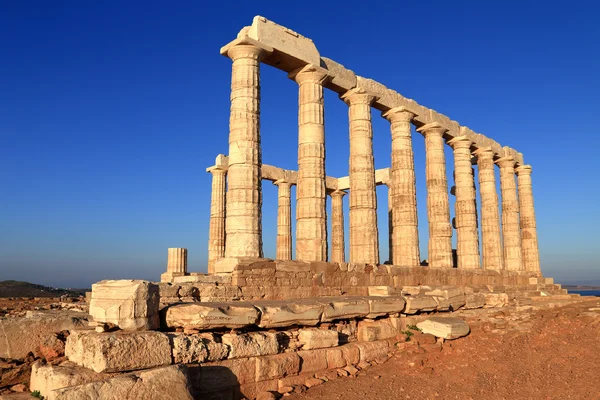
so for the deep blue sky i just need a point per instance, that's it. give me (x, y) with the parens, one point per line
(111, 111)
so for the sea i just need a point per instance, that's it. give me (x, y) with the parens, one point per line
(586, 292)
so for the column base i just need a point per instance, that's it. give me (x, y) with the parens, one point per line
(169, 276)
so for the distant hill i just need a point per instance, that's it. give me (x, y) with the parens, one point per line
(26, 289)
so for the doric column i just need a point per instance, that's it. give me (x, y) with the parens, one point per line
(438, 207)
(390, 224)
(216, 233)
(511, 235)
(284, 220)
(176, 264)
(491, 245)
(337, 226)
(404, 230)
(529, 240)
(364, 238)
(311, 217)
(465, 206)
(244, 197)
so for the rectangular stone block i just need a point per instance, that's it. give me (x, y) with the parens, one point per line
(118, 351)
(370, 351)
(128, 304)
(342, 79)
(313, 338)
(251, 344)
(277, 366)
(344, 308)
(188, 349)
(454, 295)
(419, 303)
(474, 300)
(211, 315)
(282, 313)
(494, 300)
(370, 331)
(46, 378)
(215, 376)
(312, 361)
(444, 327)
(381, 306)
(384, 291)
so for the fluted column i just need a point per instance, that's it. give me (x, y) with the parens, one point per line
(337, 226)
(311, 217)
(284, 220)
(390, 225)
(529, 240)
(244, 198)
(491, 245)
(465, 207)
(511, 235)
(404, 230)
(216, 233)
(364, 237)
(176, 264)
(438, 207)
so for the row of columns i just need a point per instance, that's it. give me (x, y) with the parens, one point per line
(515, 250)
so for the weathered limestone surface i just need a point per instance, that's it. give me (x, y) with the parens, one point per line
(313, 338)
(211, 315)
(244, 196)
(216, 233)
(176, 264)
(284, 220)
(438, 206)
(465, 206)
(444, 327)
(158, 384)
(364, 237)
(384, 291)
(344, 308)
(490, 216)
(419, 303)
(19, 336)
(311, 218)
(188, 349)
(128, 304)
(404, 222)
(370, 331)
(251, 344)
(455, 296)
(338, 252)
(118, 351)
(276, 314)
(380, 306)
(529, 240)
(511, 234)
(47, 378)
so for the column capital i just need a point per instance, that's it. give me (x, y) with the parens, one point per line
(357, 96)
(216, 170)
(433, 128)
(523, 170)
(309, 73)
(460, 142)
(246, 47)
(398, 114)
(506, 162)
(282, 182)
(338, 193)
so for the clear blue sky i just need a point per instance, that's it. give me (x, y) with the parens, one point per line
(111, 111)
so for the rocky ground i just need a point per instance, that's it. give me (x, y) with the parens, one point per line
(531, 352)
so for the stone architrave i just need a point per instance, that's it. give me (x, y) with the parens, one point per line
(244, 197)
(490, 217)
(337, 226)
(284, 220)
(364, 237)
(529, 240)
(311, 214)
(216, 233)
(465, 206)
(404, 225)
(511, 234)
(438, 207)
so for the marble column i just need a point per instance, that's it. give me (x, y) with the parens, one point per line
(465, 207)
(176, 264)
(216, 233)
(390, 225)
(244, 198)
(364, 237)
(337, 226)
(284, 220)
(529, 240)
(511, 234)
(404, 230)
(438, 207)
(491, 245)
(311, 217)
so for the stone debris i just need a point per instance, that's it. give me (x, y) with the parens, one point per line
(444, 327)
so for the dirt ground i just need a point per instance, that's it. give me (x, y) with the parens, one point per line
(516, 354)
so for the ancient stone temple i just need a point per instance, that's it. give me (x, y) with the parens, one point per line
(509, 238)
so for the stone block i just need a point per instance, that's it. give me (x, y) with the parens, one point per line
(474, 300)
(19, 336)
(384, 99)
(342, 79)
(47, 378)
(118, 351)
(211, 315)
(419, 303)
(277, 366)
(384, 291)
(370, 331)
(344, 308)
(351, 353)
(282, 313)
(188, 349)
(549, 281)
(447, 328)
(381, 306)
(292, 266)
(216, 376)
(370, 351)
(454, 295)
(128, 304)
(251, 344)
(494, 300)
(312, 361)
(335, 358)
(159, 384)
(313, 338)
